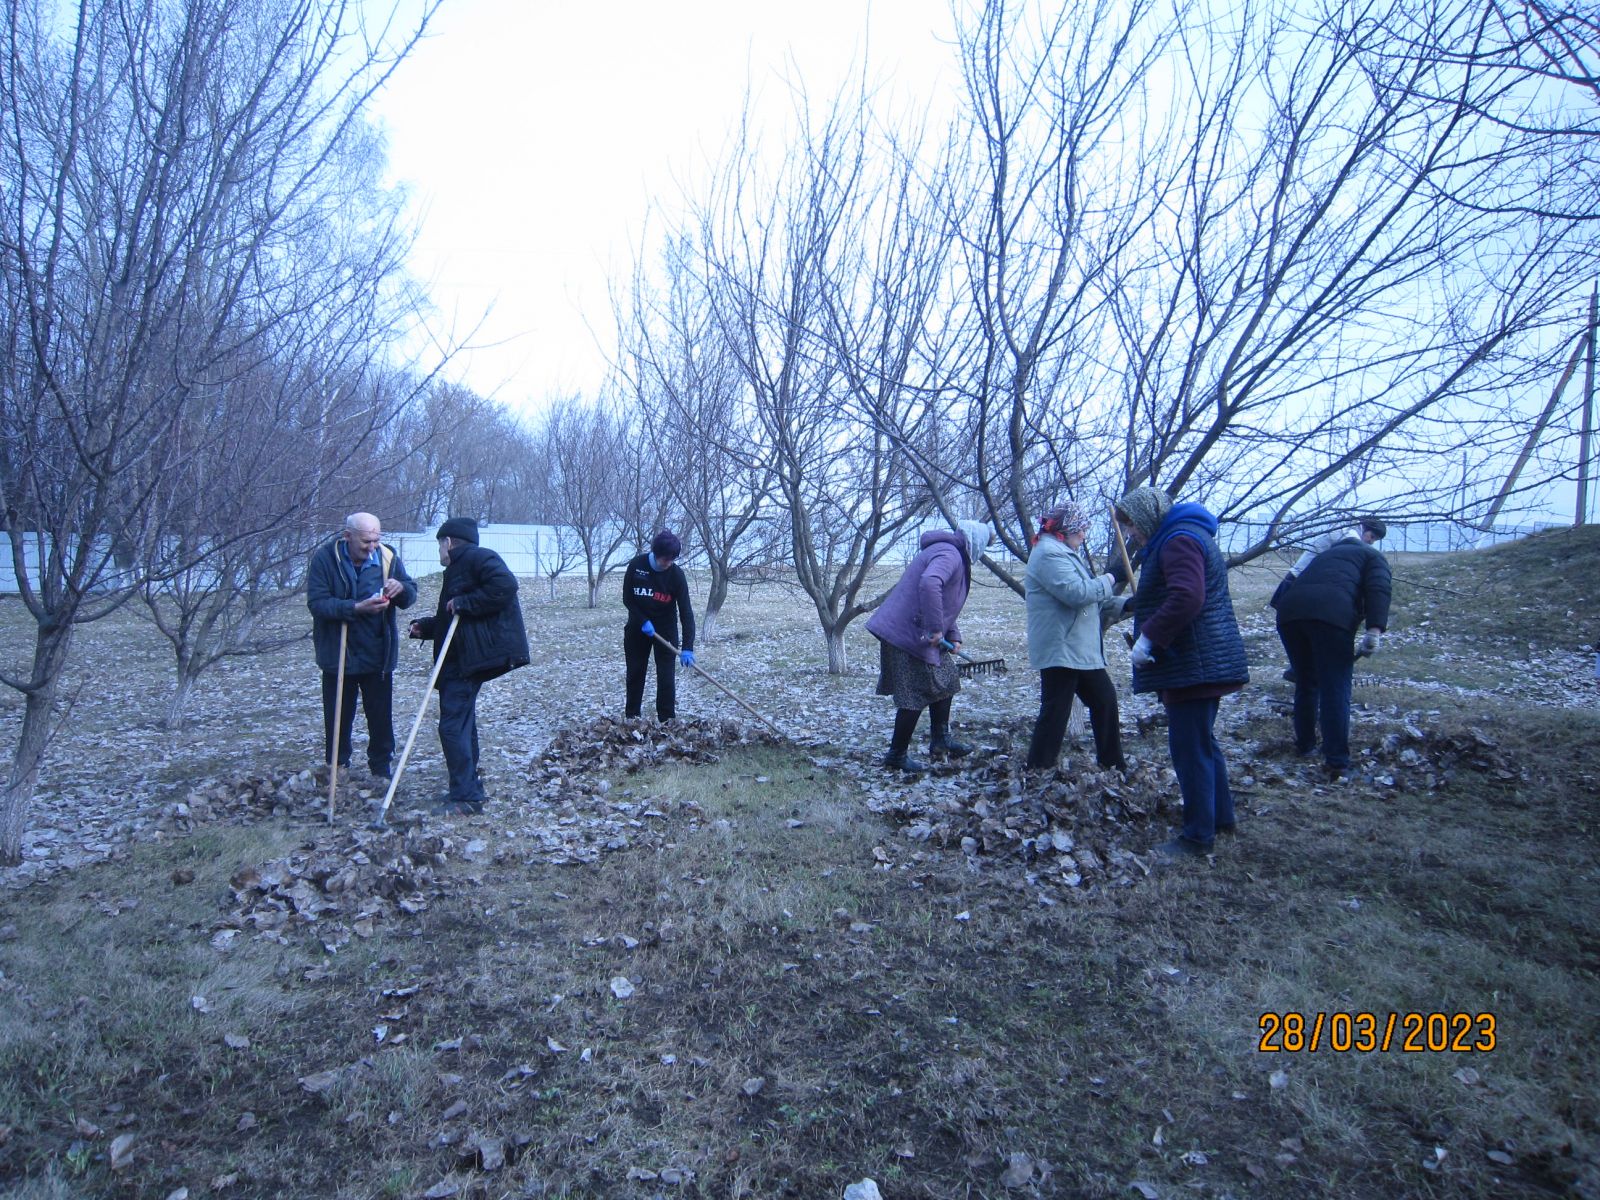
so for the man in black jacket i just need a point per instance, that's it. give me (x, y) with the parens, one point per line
(655, 592)
(355, 583)
(480, 592)
(1318, 615)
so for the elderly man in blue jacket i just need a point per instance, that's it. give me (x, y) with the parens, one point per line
(355, 583)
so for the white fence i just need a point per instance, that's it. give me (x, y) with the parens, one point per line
(535, 550)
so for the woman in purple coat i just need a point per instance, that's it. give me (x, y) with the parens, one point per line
(914, 621)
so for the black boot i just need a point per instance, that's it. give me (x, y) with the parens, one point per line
(899, 757)
(940, 743)
(900, 760)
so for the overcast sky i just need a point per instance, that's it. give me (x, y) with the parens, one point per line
(533, 136)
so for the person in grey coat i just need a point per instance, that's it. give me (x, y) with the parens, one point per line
(914, 624)
(1069, 605)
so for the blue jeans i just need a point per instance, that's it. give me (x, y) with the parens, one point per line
(458, 736)
(1323, 657)
(1202, 772)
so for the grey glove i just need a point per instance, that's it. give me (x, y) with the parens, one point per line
(1369, 643)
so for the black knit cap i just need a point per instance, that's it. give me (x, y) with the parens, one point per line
(1376, 525)
(462, 528)
(666, 545)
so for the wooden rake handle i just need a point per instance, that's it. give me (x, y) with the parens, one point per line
(697, 667)
(338, 719)
(433, 678)
(1122, 546)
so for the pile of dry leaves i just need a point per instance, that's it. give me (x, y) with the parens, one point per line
(1077, 831)
(341, 884)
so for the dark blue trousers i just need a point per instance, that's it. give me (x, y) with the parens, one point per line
(1202, 772)
(376, 691)
(458, 736)
(1323, 657)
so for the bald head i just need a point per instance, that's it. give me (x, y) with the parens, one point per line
(362, 533)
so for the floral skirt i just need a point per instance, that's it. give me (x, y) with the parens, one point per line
(915, 684)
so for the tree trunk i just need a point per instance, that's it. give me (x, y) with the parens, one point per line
(835, 637)
(49, 656)
(1076, 719)
(180, 697)
(715, 599)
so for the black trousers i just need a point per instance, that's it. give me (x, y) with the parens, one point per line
(636, 650)
(377, 702)
(1323, 657)
(1057, 687)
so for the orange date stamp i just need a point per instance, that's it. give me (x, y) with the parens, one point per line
(1368, 1032)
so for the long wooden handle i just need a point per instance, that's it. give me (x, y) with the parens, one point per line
(718, 686)
(433, 678)
(1122, 546)
(338, 714)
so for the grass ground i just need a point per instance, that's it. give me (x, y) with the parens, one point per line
(810, 1000)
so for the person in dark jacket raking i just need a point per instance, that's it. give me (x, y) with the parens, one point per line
(1344, 586)
(655, 592)
(490, 640)
(356, 582)
(1187, 649)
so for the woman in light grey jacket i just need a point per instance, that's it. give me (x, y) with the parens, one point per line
(1067, 605)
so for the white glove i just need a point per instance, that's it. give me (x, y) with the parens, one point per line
(1369, 643)
(1143, 653)
(1109, 580)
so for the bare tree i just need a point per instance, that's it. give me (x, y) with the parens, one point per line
(776, 253)
(583, 447)
(156, 162)
(699, 422)
(1271, 261)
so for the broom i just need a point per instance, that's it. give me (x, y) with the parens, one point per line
(975, 666)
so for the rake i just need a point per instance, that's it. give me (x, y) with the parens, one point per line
(405, 755)
(975, 666)
(706, 675)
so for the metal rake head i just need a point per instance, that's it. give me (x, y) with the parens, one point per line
(986, 666)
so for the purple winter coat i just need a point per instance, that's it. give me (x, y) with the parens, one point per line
(927, 598)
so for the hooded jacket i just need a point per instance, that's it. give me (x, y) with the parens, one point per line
(928, 596)
(1206, 650)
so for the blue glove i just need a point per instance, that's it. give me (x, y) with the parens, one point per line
(648, 629)
(687, 657)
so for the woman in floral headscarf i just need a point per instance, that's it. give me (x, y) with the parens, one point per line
(1068, 607)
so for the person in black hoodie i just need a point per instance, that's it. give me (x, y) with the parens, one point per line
(1318, 615)
(490, 640)
(655, 592)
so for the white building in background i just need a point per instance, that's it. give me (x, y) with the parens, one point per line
(529, 550)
